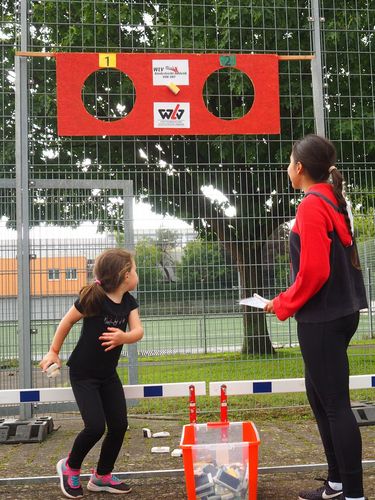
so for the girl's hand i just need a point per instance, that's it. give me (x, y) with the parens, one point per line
(48, 360)
(112, 338)
(268, 308)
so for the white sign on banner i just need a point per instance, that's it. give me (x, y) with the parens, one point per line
(171, 114)
(166, 71)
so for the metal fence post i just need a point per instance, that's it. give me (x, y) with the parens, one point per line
(129, 244)
(316, 69)
(23, 219)
(370, 302)
(204, 317)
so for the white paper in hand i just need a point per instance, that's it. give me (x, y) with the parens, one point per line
(255, 301)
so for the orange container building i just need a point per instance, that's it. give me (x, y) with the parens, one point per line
(57, 275)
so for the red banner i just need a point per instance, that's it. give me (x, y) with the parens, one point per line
(168, 94)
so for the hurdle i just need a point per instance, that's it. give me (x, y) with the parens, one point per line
(364, 413)
(273, 386)
(36, 430)
(65, 394)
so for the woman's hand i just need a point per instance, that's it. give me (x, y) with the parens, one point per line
(112, 338)
(268, 308)
(48, 360)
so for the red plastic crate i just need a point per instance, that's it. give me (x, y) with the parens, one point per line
(221, 458)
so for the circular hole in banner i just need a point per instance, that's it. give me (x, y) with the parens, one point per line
(228, 93)
(108, 94)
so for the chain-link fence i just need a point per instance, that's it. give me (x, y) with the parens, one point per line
(224, 202)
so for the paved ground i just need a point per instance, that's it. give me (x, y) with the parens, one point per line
(283, 442)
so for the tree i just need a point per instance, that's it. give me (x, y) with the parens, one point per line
(166, 239)
(204, 267)
(245, 169)
(148, 256)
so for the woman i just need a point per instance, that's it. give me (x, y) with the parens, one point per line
(326, 296)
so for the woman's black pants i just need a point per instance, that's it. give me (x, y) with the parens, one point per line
(324, 350)
(101, 402)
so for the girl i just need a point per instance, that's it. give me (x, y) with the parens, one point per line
(106, 308)
(326, 296)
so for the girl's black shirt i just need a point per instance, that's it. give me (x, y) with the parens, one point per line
(89, 357)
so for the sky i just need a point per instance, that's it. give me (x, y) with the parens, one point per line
(144, 220)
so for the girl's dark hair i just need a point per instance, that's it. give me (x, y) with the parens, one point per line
(109, 270)
(317, 155)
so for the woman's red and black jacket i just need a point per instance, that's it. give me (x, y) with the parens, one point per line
(326, 285)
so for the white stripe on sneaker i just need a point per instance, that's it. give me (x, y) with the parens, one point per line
(325, 496)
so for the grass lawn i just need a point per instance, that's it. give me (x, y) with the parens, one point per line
(286, 363)
(183, 335)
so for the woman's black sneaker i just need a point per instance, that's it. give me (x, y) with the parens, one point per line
(325, 492)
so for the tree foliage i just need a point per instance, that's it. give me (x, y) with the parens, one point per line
(204, 266)
(148, 257)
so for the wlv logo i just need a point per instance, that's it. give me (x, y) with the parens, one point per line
(171, 114)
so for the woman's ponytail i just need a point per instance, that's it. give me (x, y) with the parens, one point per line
(338, 185)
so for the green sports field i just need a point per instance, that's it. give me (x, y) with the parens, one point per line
(187, 334)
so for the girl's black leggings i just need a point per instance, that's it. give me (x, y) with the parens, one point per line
(324, 350)
(101, 402)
